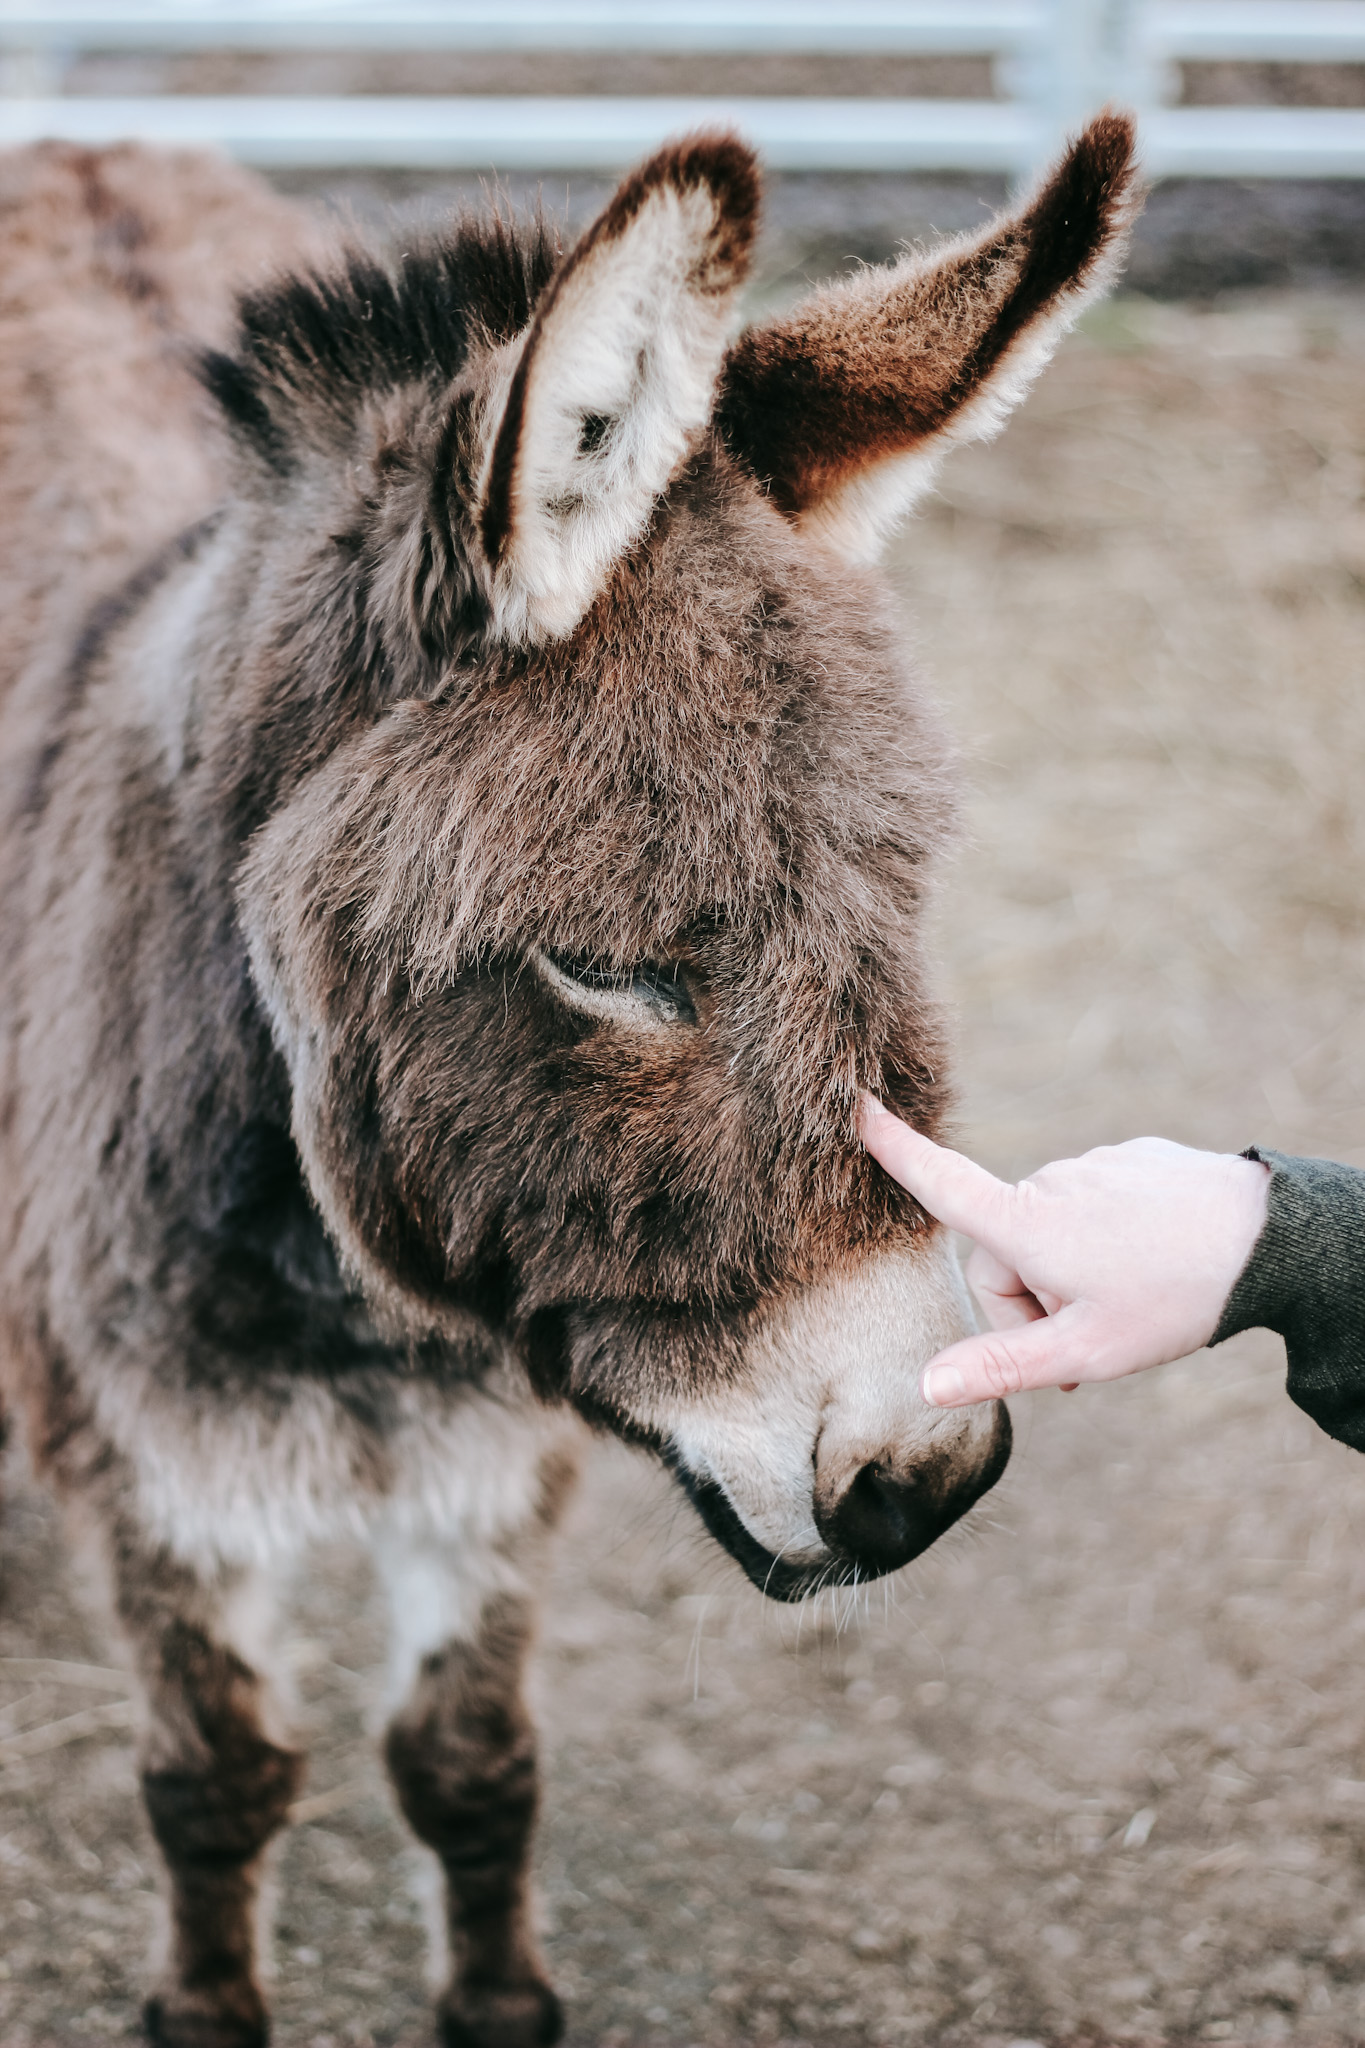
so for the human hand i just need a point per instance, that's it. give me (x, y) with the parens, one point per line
(1089, 1269)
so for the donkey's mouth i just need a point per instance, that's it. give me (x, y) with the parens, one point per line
(772, 1575)
(880, 1524)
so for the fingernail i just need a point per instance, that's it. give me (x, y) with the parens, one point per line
(943, 1386)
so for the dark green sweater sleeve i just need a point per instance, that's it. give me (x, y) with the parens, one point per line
(1306, 1279)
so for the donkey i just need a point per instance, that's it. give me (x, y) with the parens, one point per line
(464, 827)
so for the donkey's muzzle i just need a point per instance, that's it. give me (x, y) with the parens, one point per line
(884, 1518)
(880, 1522)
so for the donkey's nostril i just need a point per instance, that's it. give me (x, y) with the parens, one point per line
(883, 1522)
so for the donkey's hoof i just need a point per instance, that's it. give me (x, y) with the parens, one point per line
(500, 2016)
(184, 2019)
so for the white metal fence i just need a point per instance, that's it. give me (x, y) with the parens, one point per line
(1055, 62)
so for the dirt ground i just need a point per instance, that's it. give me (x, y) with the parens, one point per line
(1093, 1770)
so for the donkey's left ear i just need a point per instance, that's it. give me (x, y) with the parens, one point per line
(615, 379)
(844, 409)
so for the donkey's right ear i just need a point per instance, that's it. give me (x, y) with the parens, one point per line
(844, 408)
(614, 379)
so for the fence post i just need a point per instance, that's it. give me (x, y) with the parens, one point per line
(31, 74)
(1090, 53)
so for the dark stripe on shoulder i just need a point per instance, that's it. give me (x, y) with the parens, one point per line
(102, 621)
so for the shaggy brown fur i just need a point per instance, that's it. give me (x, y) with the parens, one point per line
(462, 838)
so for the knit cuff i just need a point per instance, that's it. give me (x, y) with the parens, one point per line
(1265, 1286)
(1305, 1278)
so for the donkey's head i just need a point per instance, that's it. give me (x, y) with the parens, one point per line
(593, 900)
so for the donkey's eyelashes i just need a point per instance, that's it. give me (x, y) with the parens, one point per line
(656, 992)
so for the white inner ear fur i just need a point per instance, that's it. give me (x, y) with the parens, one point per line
(633, 341)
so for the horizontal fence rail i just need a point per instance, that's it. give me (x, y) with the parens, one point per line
(532, 133)
(506, 133)
(894, 26)
(1255, 31)
(1056, 62)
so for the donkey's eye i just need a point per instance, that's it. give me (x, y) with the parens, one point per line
(660, 990)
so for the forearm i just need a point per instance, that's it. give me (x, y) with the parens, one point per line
(1306, 1279)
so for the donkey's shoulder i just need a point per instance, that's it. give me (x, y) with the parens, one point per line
(115, 266)
(176, 230)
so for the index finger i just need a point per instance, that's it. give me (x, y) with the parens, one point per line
(955, 1190)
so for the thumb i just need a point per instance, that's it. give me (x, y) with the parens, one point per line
(1052, 1352)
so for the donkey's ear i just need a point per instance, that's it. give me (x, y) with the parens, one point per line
(615, 379)
(844, 409)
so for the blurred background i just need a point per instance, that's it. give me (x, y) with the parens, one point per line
(1094, 1770)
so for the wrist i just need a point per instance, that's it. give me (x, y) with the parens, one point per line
(1249, 1207)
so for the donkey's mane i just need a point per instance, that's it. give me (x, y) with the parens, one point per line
(378, 318)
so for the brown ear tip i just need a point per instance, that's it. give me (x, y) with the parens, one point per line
(1108, 145)
(721, 156)
(1112, 126)
(718, 159)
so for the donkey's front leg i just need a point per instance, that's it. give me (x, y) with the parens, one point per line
(217, 1786)
(462, 1755)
